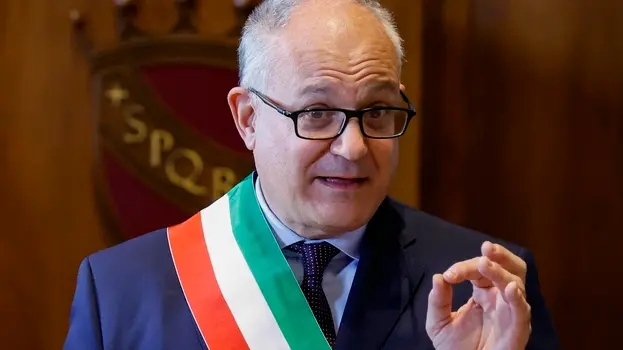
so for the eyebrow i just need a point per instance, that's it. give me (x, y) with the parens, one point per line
(316, 89)
(327, 88)
(382, 86)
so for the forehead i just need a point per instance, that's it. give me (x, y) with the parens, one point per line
(338, 42)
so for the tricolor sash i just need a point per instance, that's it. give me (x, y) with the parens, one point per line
(236, 281)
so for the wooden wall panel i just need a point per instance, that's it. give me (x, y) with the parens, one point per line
(46, 132)
(46, 204)
(523, 139)
(406, 184)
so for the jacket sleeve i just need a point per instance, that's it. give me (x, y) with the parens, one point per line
(84, 326)
(543, 336)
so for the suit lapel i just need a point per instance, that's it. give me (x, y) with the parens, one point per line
(385, 283)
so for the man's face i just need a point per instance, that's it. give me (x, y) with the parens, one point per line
(333, 57)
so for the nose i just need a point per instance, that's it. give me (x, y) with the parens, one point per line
(351, 143)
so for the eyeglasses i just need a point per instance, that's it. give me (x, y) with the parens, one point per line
(329, 123)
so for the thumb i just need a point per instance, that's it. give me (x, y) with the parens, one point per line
(439, 306)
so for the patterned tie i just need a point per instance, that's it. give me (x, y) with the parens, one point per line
(316, 257)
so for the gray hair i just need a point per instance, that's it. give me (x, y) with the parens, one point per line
(257, 44)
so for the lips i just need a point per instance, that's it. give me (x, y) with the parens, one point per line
(342, 182)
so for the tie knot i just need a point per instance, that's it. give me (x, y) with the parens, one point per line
(316, 256)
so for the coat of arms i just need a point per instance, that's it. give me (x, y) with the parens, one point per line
(166, 143)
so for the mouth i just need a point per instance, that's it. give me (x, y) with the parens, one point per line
(343, 183)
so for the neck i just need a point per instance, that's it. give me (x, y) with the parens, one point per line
(307, 231)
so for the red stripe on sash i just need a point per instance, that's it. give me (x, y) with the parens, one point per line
(203, 294)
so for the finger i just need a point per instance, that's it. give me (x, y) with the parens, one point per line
(486, 298)
(462, 271)
(517, 300)
(439, 311)
(521, 312)
(467, 271)
(511, 262)
(498, 275)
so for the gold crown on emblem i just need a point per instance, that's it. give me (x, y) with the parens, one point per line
(127, 11)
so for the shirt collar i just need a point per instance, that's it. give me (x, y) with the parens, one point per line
(348, 242)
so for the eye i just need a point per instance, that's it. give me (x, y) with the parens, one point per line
(316, 114)
(377, 113)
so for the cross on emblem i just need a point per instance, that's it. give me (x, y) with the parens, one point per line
(116, 94)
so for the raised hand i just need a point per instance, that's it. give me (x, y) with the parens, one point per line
(497, 316)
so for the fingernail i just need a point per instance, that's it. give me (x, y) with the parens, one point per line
(450, 274)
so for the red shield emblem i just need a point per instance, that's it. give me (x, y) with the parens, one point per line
(166, 143)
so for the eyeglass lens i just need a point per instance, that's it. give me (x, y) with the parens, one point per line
(327, 124)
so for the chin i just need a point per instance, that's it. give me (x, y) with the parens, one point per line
(344, 218)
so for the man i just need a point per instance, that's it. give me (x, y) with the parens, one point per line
(308, 252)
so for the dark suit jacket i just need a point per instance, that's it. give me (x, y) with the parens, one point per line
(129, 297)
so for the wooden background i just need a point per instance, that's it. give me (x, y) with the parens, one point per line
(521, 137)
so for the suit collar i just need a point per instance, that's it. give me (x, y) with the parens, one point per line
(387, 278)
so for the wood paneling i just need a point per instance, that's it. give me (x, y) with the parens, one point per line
(46, 155)
(523, 139)
(406, 184)
(48, 221)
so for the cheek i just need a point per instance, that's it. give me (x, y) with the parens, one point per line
(272, 132)
(299, 162)
(385, 153)
(308, 155)
(280, 152)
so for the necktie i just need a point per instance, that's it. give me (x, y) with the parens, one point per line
(316, 257)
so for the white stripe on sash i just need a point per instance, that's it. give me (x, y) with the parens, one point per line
(238, 286)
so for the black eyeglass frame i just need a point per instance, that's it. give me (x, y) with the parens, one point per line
(358, 114)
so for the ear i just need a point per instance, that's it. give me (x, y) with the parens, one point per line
(403, 88)
(243, 112)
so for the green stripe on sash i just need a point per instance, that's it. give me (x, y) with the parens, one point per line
(271, 270)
